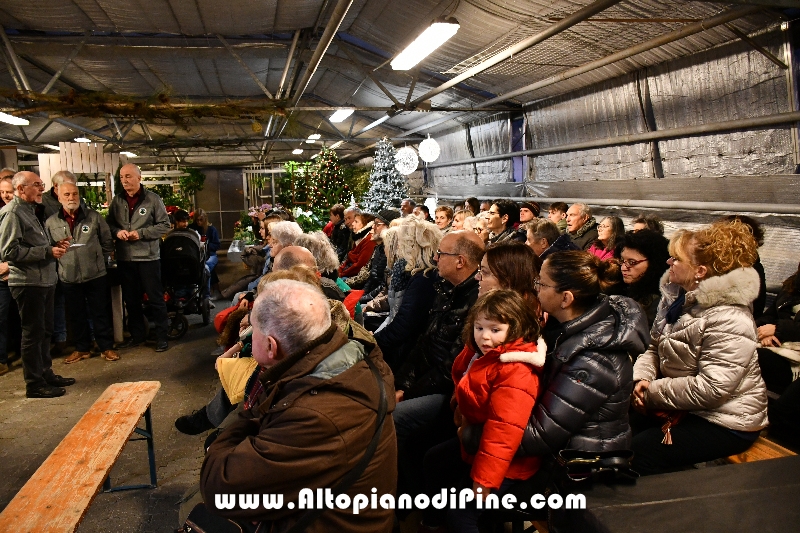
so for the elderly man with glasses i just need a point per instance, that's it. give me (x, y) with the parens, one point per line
(31, 258)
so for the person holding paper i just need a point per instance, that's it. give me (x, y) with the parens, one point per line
(82, 271)
(31, 259)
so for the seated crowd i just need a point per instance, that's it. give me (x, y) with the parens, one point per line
(392, 354)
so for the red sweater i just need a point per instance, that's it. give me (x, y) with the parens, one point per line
(499, 391)
(357, 257)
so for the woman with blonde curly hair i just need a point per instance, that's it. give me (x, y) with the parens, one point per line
(700, 375)
(410, 248)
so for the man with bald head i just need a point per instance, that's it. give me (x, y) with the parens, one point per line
(31, 258)
(294, 255)
(82, 273)
(138, 220)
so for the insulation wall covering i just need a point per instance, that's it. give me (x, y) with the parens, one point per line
(726, 83)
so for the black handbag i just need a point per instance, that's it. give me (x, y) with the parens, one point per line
(201, 521)
(607, 467)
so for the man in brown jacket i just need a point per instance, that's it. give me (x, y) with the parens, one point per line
(311, 422)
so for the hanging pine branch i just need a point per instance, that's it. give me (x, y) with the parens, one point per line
(387, 185)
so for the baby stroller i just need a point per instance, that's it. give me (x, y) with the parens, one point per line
(184, 276)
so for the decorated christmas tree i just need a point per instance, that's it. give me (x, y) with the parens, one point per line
(327, 185)
(387, 185)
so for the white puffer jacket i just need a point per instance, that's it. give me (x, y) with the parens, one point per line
(706, 362)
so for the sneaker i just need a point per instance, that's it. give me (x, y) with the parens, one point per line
(45, 391)
(57, 381)
(162, 346)
(219, 351)
(195, 423)
(3, 368)
(211, 305)
(76, 356)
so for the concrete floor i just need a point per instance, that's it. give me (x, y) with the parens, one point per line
(31, 428)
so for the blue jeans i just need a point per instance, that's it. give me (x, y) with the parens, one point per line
(412, 415)
(211, 263)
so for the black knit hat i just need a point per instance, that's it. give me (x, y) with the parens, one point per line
(532, 206)
(387, 215)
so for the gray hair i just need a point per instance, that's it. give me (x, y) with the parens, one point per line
(543, 229)
(321, 248)
(20, 178)
(354, 210)
(63, 175)
(285, 232)
(292, 312)
(414, 240)
(584, 209)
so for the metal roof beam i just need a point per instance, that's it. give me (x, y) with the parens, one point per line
(241, 62)
(339, 12)
(554, 29)
(15, 60)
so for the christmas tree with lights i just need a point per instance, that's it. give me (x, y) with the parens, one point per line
(387, 185)
(327, 185)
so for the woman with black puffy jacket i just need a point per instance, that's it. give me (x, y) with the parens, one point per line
(588, 374)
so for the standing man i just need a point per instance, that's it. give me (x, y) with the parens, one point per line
(138, 220)
(51, 205)
(82, 273)
(31, 259)
(581, 226)
(407, 206)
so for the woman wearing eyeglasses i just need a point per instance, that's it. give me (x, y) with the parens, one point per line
(700, 375)
(642, 257)
(588, 375)
(609, 232)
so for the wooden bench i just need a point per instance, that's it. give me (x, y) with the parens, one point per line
(56, 497)
(761, 449)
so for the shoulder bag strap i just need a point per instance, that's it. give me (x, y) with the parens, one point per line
(352, 476)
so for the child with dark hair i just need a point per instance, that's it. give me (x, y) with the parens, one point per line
(497, 381)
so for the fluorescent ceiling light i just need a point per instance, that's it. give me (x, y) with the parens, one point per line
(376, 123)
(128, 154)
(314, 136)
(297, 151)
(336, 145)
(431, 39)
(341, 115)
(51, 146)
(82, 140)
(11, 119)
(310, 141)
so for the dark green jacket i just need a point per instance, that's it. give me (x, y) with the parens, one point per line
(87, 262)
(26, 246)
(149, 218)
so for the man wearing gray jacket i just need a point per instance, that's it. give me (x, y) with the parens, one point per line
(31, 258)
(82, 272)
(138, 220)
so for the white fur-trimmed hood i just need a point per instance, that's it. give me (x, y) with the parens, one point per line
(532, 358)
(737, 287)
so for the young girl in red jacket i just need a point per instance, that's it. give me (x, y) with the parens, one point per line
(497, 381)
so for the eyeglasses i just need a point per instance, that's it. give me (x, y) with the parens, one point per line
(38, 185)
(483, 272)
(537, 284)
(630, 263)
(439, 252)
(478, 230)
(603, 226)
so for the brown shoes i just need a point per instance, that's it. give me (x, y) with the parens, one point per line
(76, 356)
(110, 355)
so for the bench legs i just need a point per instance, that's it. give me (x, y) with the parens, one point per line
(147, 434)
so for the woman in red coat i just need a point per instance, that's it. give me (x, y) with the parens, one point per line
(364, 245)
(497, 381)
